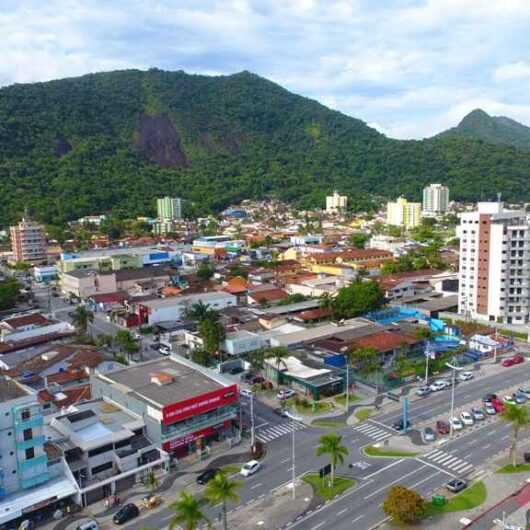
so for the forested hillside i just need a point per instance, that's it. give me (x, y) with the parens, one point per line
(117, 140)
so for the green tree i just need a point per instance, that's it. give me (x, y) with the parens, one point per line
(359, 239)
(256, 358)
(365, 360)
(9, 293)
(358, 298)
(201, 357)
(519, 418)
(187, 512)
(331, 444)
(279, 353)
(212, 334)
(222, 490)
(104, 340)
(205, 271)
(403, 505)
(151, 481)
(201, 311)
(126, 342)
(81, 319)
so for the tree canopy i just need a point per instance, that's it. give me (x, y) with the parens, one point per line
(360, 297)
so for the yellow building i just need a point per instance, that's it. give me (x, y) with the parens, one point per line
(403, 213)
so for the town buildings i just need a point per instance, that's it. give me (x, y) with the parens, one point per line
(495, 264)
(435, 199)
(28, 242)
(403, 213)
(336, 203)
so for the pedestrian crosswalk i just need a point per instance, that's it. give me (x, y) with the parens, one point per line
(447, 461)
(373, 431)
(281, 429)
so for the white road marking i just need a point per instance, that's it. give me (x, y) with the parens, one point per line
(386, 486)
(318, 525)
(342, 511)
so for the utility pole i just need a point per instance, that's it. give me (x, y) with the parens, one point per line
(347, 386)
(495, 347)
(455, 369)
(252, 438)
(293, 471)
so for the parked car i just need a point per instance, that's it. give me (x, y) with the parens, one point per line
(438, 385)
(126, 513)
(498, 405)
(89, 524)
(429, 435)
(164, 349)
(246, 392)
(443, 427)
(524, 391)
(466, 418)
(516, 359)
(236, 370)
(207, 475)
(520, 398)
(285, 393)
(488, 398)
(509, 399)
(490, 409)
(456, 485)
(250, 468)
(423, 391)
(399, 426)
(478, 414)
(465, 376)
(456, 424)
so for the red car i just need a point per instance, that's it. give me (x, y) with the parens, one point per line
(516, 359)
(443, 427)
(498, 405)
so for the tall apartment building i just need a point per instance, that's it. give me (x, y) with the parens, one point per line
(495, 264)
(435, 199)
(169, 208)
(336, 203)
(23, 462)
(28, 242)
(403, 213)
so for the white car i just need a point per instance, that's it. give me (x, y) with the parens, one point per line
(285, 393)
(440, 384)
(164, 350)
(245, 392)
(465, 376)
(457, 424)
(250, 468)
(466, 418)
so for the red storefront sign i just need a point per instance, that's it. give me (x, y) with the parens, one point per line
(199, 404)
(185, 440)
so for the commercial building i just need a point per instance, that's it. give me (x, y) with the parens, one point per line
(336, 203)
(169, 208)
(494, 272)
(403, 213)
(435, 199)
(185, 407)
(45, 274)
(28, 242)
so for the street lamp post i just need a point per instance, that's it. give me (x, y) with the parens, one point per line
(455, 369)
(347, 386)
(252, 435)
(293, 470)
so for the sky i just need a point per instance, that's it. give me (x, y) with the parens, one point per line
(410, 68)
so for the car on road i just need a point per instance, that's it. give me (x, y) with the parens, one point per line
(252, 379)
(246, 392)
(250, 468)
(456, 424)
(126, 513)
(429, 435)
(164, 349)
(465, 376)
(498, 405)
(443, 427)
(294, 417)
(456, 485)
(466, 418)
(511, 361)
(478, 414)
(236, 370)
(285, 393)
(281, 412)
(490, 409)
(524, 391)
(423, 391)
(509, 399)
(207, 475)
(438, 385)
(399, 426)
(520, 398)
(488, 398)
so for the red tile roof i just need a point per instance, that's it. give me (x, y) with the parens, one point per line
(73, 395)
(108, 298)
(314, 314)
(268, 295)
(35, 319)
(384, 341)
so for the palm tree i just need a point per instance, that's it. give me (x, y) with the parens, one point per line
(222, 490)
(331, 444)
(81, 318)
(151, 481)
(201, 312)
(280, 354)
(188, 513)
(519, 417)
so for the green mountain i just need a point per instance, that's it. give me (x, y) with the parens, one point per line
(498, 130)
(115, 141)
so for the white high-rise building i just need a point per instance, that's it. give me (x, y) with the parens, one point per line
(435, 199)
(169, 208)
(336, 203)
(403, 213)
(495, 264)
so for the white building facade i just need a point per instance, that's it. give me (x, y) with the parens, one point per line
(494, 277)
(336, 203)
(435, 199)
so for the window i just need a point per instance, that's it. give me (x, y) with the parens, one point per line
(100, 450)
(28, 434)
(26, 415)
(102, 467)
(30, 453)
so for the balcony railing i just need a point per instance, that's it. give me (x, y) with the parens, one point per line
(32, 463)
(34, 481)
(30, 423)
(33, 442)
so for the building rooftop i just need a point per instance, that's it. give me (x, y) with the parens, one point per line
(208, 297)
(35, 319)
(10, 389)
(163, 382)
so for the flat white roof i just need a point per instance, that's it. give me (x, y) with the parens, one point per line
(12, 506)
(296, 368)
(93, 432)
(189, 299)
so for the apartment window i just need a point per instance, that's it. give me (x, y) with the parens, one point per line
(30, 453)
(100, 450)
(102, 467)
(28, 434)
(26, 415)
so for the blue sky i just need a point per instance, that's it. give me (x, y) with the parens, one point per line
(410, 68)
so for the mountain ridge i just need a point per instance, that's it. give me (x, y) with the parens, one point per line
(116, 140)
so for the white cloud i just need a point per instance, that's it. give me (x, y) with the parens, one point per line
(512, 71)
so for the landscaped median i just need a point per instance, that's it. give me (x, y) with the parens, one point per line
(470, 498)
(328, 423)
(363, 413)
(375, 451)
(322, 486)
(519, 468)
